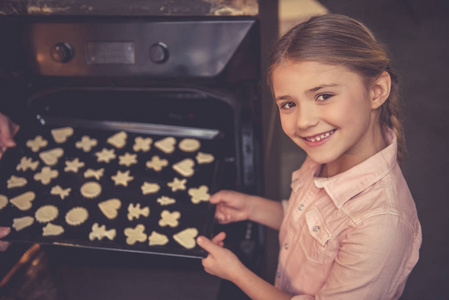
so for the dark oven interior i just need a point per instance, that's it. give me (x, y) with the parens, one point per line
(179, 77)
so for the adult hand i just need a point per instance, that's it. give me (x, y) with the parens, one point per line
(231, 206)
(4, 231)
(220, 262)
(8, 130)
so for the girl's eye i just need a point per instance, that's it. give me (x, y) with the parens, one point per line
(288, 105)
(323, 97)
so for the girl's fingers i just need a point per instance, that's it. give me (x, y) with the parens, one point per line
(4, 231)
(4, 246)
(219, 238)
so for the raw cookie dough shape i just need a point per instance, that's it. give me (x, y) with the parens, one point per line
(156, 163)
(127, 159)
(204, 158)
(74, 165)
(185, 167)
(91, 189)
(199, 194)
(27, 163)
(157, 239)
(189, 145)
(122, 178)
(186, 238)
(105, 155)
(118, 140)
(59, 191)
(142, 144)
(110, 208)
(166, 145)
(97, 174)
(23, 201)
(52, 230)
(60, 135)
(21, 223)
(51, 157)
(135, 234)
(46, 175)
(169, 218)
(134, 211)
(150, 188)
(14, 182)
(86, 143)
(76, 216)
(37, 143)
(46, 213)
(99, 232)
(177, 184)
(164, 200)
(3, 201)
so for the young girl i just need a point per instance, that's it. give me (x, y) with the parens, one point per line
(350, 228)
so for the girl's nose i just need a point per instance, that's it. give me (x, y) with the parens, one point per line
(306, 117)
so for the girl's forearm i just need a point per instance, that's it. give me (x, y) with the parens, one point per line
(267, 212)
(256, 288)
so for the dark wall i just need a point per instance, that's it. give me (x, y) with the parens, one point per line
(416, 32)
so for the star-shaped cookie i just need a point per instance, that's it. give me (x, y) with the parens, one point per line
(122, 178)
(127, 159)
(105, 155)
(177, 184)
(73, 166)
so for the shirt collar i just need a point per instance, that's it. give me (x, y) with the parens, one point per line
(346, 185)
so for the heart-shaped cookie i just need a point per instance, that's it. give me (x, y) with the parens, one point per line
(60, 135)
(52, 156)
(166, 145)
(118, 140)
(185, 167)
(186, 238)
(23, 201)
(110, 207)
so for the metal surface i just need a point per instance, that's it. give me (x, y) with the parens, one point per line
(199, 216)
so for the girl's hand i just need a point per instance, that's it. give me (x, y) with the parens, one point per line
(220, 262)
(4, 231)
(231, 206)
(8, 130)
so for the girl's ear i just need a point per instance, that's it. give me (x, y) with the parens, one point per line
(380, 90)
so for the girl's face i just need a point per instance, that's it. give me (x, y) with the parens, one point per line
(326, 110)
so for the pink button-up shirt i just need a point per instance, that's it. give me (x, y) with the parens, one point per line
(352, 236)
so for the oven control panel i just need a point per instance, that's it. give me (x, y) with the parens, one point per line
(191, 48)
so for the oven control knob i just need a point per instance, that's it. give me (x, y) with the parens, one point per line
(62, 52)
(159, 53)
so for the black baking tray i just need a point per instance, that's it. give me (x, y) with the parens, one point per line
(199, 216)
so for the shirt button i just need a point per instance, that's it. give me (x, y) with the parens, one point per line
(301, 207)
(286, 246)
(316, 228)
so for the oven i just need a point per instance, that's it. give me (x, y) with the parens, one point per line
(117, 80)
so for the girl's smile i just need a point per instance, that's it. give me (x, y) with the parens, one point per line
(328, 112)
(318, 139)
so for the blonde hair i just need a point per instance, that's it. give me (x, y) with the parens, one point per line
(340, 40)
